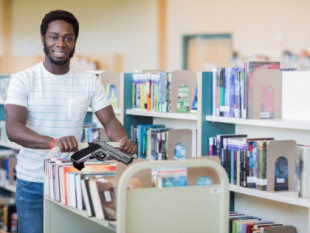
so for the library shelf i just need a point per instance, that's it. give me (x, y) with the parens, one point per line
(288, 197)
(283, 207)
(272, 123)
(177, 116)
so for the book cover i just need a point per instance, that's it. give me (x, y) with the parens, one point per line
(169, 177)
(143, 139)
(183, 105)
(87, 201)
(107, 195)
(103, 197)
(85, 190)
(303, 171)
(195, 101)
(179, 151)
(221, 91)
(157, 141)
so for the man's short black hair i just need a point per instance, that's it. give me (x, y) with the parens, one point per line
(59, 15)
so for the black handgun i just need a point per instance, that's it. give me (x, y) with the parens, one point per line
(100, 150)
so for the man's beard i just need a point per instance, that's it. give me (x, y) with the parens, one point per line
(57, 63)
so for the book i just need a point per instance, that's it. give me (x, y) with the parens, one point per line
(85, 190)
(107, 194)
(179, 151)
(195, 101)
(86, 197)
(183, 105)
(302, 176)
(169, 177)
(103, 197)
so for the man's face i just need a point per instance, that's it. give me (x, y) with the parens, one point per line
(59, 42)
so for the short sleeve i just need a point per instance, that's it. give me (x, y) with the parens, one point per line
(99, 99)
(18, 90)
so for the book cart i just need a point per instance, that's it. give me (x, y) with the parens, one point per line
(173, 209)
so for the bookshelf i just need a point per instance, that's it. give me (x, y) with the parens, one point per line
(283, 207)
(192, 120)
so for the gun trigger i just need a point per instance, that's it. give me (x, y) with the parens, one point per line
(106, 157)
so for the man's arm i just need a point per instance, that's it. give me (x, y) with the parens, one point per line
(114, 130)
(17, 131)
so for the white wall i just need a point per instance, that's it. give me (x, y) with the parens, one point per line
(257, 26)
(128, 27)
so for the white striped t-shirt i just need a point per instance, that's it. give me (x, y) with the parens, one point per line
(56, 104)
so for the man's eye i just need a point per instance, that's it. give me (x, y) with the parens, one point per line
(53, 38)
(68, 39)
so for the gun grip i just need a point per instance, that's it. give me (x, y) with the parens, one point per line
(78, 157)
(79, 166)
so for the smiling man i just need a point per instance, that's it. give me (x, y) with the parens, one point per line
(46, 107)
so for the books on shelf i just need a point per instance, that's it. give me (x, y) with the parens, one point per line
(8, 163)
(229, 92)
(159, 91)
(63, 181)
(10, 220)
(157, 142)
(89, 134)
(239, 222)
(151, 91)
(169, 177)
(234, 89)
(259, 163)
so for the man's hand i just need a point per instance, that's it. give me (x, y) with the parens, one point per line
(128, 146)
(67, 144)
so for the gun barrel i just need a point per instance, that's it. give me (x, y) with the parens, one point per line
(114, 153)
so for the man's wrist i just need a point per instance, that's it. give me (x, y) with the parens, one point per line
(52, 143)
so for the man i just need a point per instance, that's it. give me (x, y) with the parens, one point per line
(46, 107)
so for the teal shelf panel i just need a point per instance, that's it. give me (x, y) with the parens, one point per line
(210, 129)
(88, 117)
